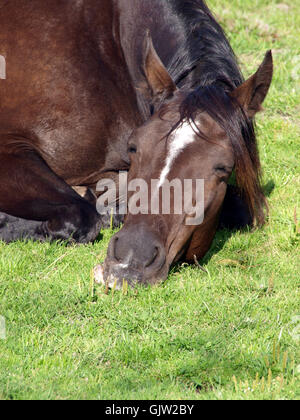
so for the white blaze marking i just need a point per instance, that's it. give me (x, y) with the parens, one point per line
(183, 136)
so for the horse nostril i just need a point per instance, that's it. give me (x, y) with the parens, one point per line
(158, 258)
(154, 257)
(112, 248)
(121, 252)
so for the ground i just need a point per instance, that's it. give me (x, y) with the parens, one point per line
(230, 333)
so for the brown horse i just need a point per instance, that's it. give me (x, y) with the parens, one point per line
(89, 83)
(202, 128)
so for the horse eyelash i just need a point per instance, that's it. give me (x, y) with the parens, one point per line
(220, 168)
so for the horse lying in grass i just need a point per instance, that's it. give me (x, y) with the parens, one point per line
(93, 88)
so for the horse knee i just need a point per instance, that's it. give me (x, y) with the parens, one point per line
(78, 221)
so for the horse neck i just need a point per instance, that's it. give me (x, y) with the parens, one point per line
(102, 22)
(187, 38)
(167, 32)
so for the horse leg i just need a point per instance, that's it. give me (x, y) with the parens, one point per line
(13, 228)
(30, 190)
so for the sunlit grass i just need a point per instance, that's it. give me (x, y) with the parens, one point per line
(230, 333)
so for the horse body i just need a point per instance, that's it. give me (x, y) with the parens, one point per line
(71, 96)
(67, 108)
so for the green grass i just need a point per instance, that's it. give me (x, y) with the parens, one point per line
(232, 333)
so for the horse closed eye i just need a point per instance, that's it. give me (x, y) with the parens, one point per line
(132, 148)
(222, 171)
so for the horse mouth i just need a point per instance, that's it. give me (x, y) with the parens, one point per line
(118, 277)
(110, 280)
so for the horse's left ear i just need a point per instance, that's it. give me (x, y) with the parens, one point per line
(158, 79)
(252, 93)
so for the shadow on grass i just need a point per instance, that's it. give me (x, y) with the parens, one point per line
(269, 188)
(223, 235)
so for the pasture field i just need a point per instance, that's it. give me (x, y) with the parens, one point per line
(230, 333)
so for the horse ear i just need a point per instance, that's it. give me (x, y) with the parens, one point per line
(159, 81)
(252, 93)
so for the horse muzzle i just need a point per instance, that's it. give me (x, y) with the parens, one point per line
(135, 255)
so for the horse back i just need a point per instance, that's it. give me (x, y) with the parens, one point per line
(66, 81)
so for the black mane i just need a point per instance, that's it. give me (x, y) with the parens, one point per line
(189, 41)
(207, 56)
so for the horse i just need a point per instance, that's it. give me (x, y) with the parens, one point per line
(202, 127)
(91, 88)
